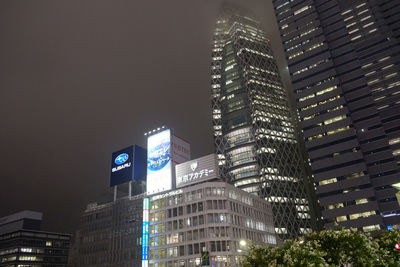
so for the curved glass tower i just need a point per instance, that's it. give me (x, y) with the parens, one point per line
(254, 128)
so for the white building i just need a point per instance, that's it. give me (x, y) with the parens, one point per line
(204, 215)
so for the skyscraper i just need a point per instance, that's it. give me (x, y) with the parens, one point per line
(254, 128)
(343, 58)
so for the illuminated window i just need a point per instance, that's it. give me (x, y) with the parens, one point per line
(365, 18)
(371, 228)
(362, 215)
(360, 5)
(301, 10)
(353, 31)
(368, 24)
(394, 141)
(361, 201)
(335, 119)
(338, 130)
(348, 18)
(306, 97)
(396, 152)
(341, 218)
(326, 90)
(329, 181)
(362, 12)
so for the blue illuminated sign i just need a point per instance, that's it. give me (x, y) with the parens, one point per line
(121, 158)
(145, 233)
(128, 164)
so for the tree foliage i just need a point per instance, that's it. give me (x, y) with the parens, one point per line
(337, 247)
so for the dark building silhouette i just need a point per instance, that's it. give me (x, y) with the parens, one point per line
(343, 58)
(254, 128)
(22, 243)
(109, 234)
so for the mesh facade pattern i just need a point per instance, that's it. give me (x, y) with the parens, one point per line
(254, 127)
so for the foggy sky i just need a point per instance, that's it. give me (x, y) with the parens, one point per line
(81, 79)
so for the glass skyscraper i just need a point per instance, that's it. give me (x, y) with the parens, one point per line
(344, 60)
(254, 128)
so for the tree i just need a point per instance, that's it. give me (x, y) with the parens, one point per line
(336, 247)
(291, 254)
(387, 241)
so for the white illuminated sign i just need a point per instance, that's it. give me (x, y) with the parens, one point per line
(201, 169)
(120, 167)
(159, 172)
(169, 194)
(193, 175)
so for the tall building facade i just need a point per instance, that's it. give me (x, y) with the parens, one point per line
(254, 128)
(109, 234)
(343, 58)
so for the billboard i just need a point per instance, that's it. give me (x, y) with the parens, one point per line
(121, 166)
(127, 164)
(197, 170)
(159, 170)
(180, 150)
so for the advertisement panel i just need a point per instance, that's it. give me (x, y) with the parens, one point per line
(121, 166)
(197, 170)
(180, 150)
(159, 172)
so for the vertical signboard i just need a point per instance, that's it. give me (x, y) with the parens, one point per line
(159, 171)
(180, 150)
(121, 166)
(145, 233)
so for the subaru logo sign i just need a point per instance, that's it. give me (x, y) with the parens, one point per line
(121, 158)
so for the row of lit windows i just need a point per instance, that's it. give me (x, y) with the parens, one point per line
(328, 133)
(355, 216)
(334, 180)
(310, 67)
(301, 35)
(322, 103)
(384, 78)
(301, 52)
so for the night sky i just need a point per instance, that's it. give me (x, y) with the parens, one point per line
(81, 79)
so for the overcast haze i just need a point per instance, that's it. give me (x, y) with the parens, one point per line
(81, 79)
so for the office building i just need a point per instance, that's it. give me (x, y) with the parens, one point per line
(254, 128)
(23, 244)
(109, 234)
(203, 215)
(343, 58)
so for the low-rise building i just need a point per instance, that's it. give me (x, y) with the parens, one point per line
(23, 244)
